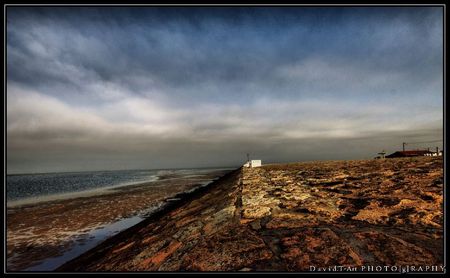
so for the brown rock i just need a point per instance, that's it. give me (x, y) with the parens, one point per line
(154, 261)
(288, 217)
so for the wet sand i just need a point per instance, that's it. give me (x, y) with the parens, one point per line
(291, 217)
(38, 232)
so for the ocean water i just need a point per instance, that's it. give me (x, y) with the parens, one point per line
(36, 187)
(94, 237)
(33, 188)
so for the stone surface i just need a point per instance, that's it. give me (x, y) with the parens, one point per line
(289, 217)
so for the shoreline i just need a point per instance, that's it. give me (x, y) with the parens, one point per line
(31, 201)
(100, 190)
(178, 200)
(48, 231)
(287, 217)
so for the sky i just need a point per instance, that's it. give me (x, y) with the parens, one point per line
(107, 88)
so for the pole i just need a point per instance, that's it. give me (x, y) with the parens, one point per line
(404, 146)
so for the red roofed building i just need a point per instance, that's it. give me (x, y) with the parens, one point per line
(409, 153)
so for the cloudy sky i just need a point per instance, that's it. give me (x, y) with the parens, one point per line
(146, 87)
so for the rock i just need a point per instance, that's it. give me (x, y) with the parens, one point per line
(256, 225)
(154, 261)
(351, 213)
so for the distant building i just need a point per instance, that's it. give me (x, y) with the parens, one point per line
(253, 163)
(410, 153)
(438, 153)
(381, 154)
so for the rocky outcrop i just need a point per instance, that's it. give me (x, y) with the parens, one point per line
(289, 217)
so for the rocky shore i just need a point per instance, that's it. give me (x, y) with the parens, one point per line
(291, 217)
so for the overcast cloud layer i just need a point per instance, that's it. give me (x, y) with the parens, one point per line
(137, 88)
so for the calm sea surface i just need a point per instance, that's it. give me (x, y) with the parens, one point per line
(19, 187)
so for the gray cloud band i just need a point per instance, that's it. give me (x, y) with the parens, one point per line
(158, 79)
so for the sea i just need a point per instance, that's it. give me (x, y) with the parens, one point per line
(24, 189)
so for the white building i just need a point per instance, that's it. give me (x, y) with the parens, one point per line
(439, 153)
(253, 163)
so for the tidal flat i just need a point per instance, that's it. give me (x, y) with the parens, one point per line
(42, 236)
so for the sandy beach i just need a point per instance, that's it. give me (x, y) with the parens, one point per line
(291, 217)
(36, 233)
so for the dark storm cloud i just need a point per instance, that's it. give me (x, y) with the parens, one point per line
(184, 49)
(207, 80)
